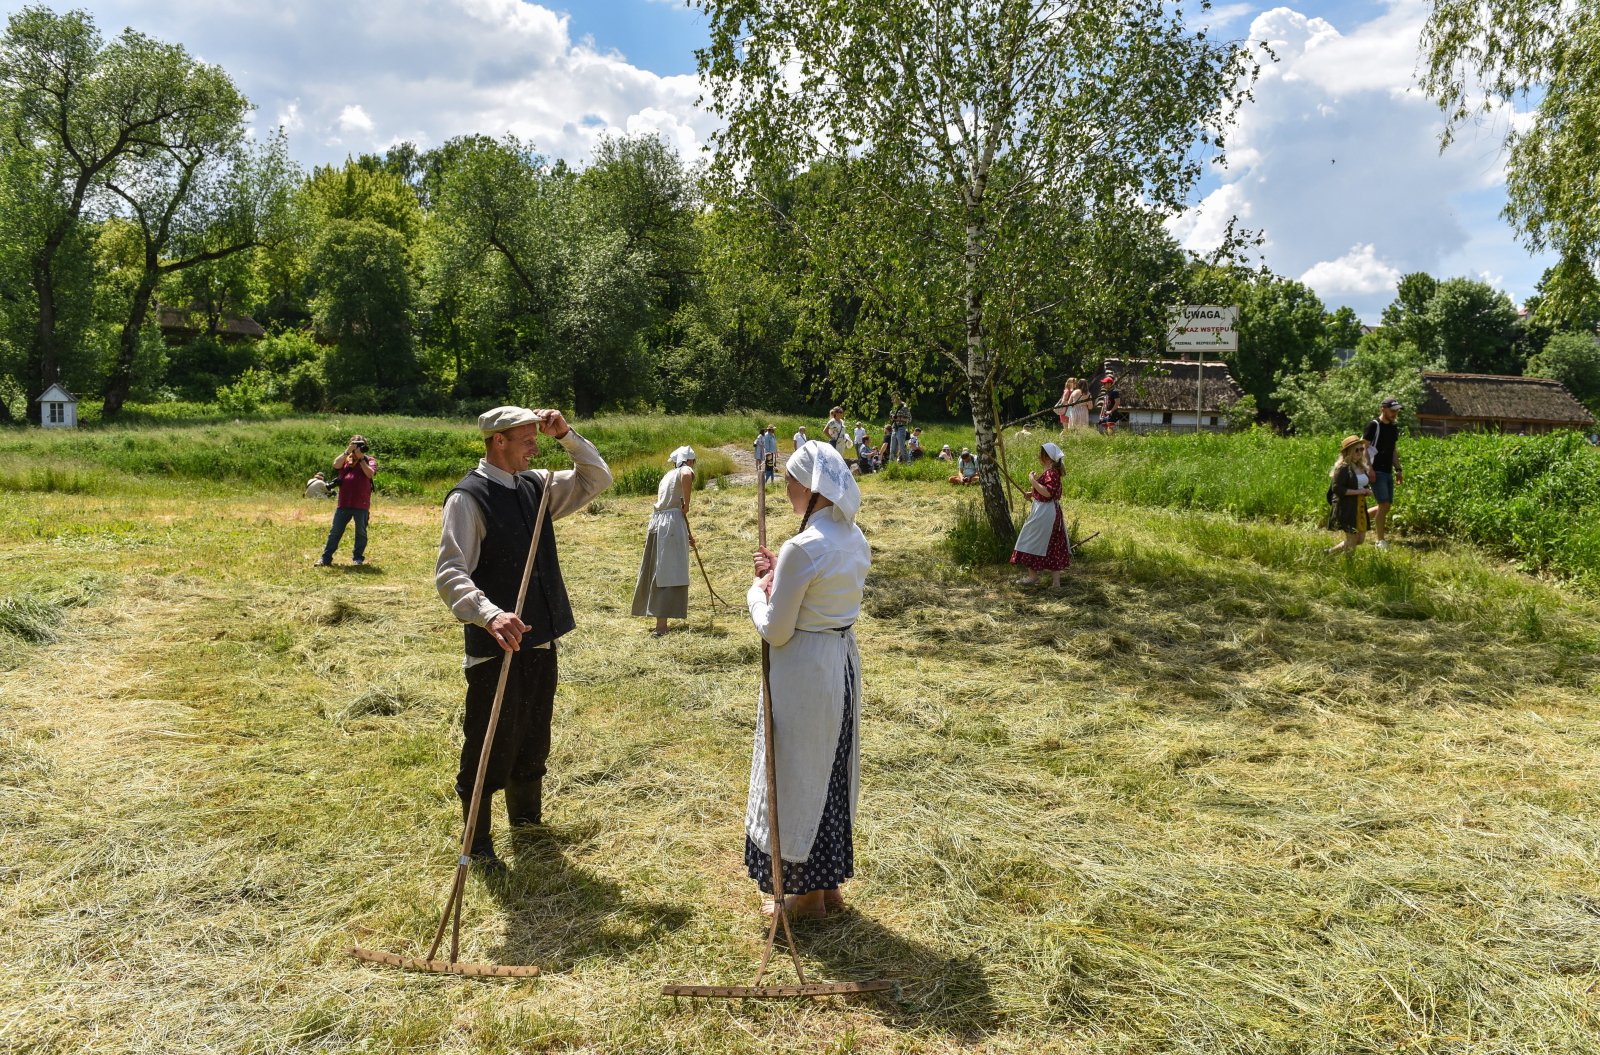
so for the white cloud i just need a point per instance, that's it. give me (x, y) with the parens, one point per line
(354, 119)
(1341, 148)
(424, 70)
(1358, 271)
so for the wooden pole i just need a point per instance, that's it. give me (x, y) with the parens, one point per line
(780, 909)
(1199, 385)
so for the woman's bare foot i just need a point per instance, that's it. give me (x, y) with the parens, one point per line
(834, 900)
(799, 906)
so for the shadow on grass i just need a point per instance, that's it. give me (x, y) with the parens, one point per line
(558, 913)
(934, 991)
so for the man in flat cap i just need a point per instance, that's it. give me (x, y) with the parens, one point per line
(488, 527)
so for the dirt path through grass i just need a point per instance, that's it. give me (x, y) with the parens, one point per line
(1215, 794)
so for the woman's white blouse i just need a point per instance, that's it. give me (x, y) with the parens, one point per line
(821, 573)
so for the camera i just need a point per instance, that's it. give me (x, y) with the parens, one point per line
(360, 445)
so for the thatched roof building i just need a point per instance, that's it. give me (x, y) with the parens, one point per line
(1160, 393)
(179, 325)
(1489, 402)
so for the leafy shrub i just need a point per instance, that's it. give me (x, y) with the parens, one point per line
(247, 394)
(971, 541)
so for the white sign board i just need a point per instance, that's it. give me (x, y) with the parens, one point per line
(1203, 327)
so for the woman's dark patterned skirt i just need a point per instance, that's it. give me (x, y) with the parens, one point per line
(833, 854)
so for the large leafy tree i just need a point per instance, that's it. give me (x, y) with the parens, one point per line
(201, 197)
(363, 305)
(83, 107)
(1484, 54)
(986, 151)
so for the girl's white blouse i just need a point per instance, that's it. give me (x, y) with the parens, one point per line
(821, 574)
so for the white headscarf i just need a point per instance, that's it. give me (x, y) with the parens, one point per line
(819, 467)
(681, 455)
(1053, 451)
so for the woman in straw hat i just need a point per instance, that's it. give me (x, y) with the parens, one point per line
(663, 587)
(1351, 482)
(1042, 544)
(804, 602)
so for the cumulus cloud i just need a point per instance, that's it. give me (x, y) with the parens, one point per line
(1358, 271)
(361, 75)
(1339, 149)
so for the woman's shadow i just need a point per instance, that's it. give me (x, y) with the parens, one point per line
(558, 913)
(933, 989)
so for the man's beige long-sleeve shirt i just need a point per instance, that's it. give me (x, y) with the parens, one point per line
(462, 537)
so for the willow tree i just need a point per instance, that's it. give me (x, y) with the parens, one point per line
(1484, 55)
(990, 155)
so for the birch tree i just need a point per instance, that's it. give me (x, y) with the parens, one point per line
(988, 150)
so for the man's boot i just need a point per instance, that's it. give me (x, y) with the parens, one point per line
(524, 803)
(482, 852)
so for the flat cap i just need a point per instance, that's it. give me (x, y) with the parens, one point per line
(502, 418)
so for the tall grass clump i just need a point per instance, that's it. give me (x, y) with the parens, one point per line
(971, 542)
(1255, 474)
(1535, 498)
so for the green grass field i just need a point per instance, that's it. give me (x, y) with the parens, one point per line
(1218, 793)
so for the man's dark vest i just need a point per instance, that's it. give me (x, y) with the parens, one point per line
(508, 516)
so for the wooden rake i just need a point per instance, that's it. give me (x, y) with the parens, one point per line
(452, 905)
(757, 991)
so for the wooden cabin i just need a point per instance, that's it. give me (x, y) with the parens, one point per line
(1159, 395)
(182, 325)
(1492, 403)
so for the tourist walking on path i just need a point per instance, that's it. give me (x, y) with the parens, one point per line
(804, 602)
(1347, 505)
(354, 470)
(488, 528)
(1110, 403)
(1073, 410)
(663, 587)
(838, 434)
(1382, 435)
(1042, 544)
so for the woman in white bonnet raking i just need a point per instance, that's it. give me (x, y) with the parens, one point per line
(663, 587)
(804, 602)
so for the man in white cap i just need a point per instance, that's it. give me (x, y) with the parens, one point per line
(488, 527)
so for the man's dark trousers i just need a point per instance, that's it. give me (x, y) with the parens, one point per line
(522, 739)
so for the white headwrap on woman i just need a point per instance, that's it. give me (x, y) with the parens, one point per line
(681, 455)
(821, 468)
(1052, 450)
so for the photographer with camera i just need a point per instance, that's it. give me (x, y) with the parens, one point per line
(353, 470)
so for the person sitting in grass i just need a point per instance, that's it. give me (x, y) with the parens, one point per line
(966, 469)
(1347, 506)
(914, 445)
(663, 587)
(946, 454)
(1042, 544)
(317, 486)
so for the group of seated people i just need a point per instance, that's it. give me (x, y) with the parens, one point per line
(870, 459)
(966, 465)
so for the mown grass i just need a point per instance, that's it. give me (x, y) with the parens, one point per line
(1216, 794)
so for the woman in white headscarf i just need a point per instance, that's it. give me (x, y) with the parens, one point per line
(1042, 544)
(663, 587)
(804, 602)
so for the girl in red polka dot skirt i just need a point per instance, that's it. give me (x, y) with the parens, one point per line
(1042, 544)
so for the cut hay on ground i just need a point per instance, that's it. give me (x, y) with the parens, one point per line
(1217, 794)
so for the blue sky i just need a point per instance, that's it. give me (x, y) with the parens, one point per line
(1337, 161)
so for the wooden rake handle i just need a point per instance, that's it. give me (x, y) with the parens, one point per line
(780, 910)
(452, 905)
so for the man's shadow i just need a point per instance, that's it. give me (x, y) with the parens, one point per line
(558, 913)
(933, 989)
